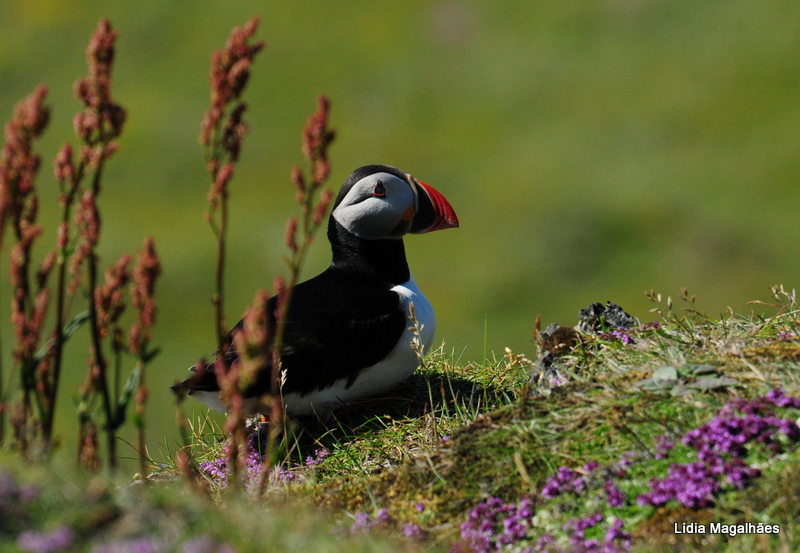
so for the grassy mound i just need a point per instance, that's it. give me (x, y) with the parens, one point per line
(677, 435)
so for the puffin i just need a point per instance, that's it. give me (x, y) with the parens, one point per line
(350, 332)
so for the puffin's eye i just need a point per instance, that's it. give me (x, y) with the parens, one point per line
(380, 190)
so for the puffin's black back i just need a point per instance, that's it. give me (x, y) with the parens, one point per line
(339, 323)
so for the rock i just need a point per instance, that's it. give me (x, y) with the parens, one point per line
(598, 318)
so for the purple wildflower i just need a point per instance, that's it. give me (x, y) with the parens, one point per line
(217, 469)
(567, 480)
(12, 491)
(364, 523)
(616, 533)
(135, 545)
(413, 531)
(620, 468)
(616, 335)
(779, 398)
(361, 524)
(582, 524)
(544, 542)
(205, 544)
(721, 449)
(493, 524)
(383, 516)
(691, 484)
(319, 456)
(614, 496)
(616, 540)
(58, 539)
(257, 439)
(28, 493)
(728, 434)
(663, 446)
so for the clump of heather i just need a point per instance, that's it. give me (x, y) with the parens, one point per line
(722, 446)
(492, 525)
(364, 523)
(497, 526)
(20, 505)
(218, 470)
(618, 335)
(41, 518)
(614, 540)
(58, 539)
(16, 501)
(594, 496)
(568, 480)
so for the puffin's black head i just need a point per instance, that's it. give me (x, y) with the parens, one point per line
(380, 201)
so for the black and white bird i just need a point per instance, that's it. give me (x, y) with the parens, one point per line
(347, 335)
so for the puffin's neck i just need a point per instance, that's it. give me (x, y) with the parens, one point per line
(384, 259)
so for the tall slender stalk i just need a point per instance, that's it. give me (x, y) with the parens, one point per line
(222, 134)
(66, 173)
(145, 274)
(18, 206)
(317, 138)
(100, 366)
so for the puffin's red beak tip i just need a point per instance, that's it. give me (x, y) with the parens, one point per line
(445, 214)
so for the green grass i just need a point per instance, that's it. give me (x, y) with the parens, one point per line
(458, 433)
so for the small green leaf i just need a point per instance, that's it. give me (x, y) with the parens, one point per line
(70, 328)
(712, 383)
(666, 373)
(149, 355)
(76, 322)
(125, 397)
(693, 369)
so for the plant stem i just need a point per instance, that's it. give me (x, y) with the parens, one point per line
(58, 344)
(219, 308)
(140, 426)
(102, 368)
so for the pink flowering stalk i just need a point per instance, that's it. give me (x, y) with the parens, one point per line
(314, 203)
(105, 311)
(145, 274)
(253, 349)
(222, 134)
(38, 355)
(18, 206)
(96, 126)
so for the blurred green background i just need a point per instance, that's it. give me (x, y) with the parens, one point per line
(592, 150)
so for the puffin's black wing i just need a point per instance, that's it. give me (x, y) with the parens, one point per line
(339, 323)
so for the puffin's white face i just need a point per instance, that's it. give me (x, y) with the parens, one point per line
(380, 205)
